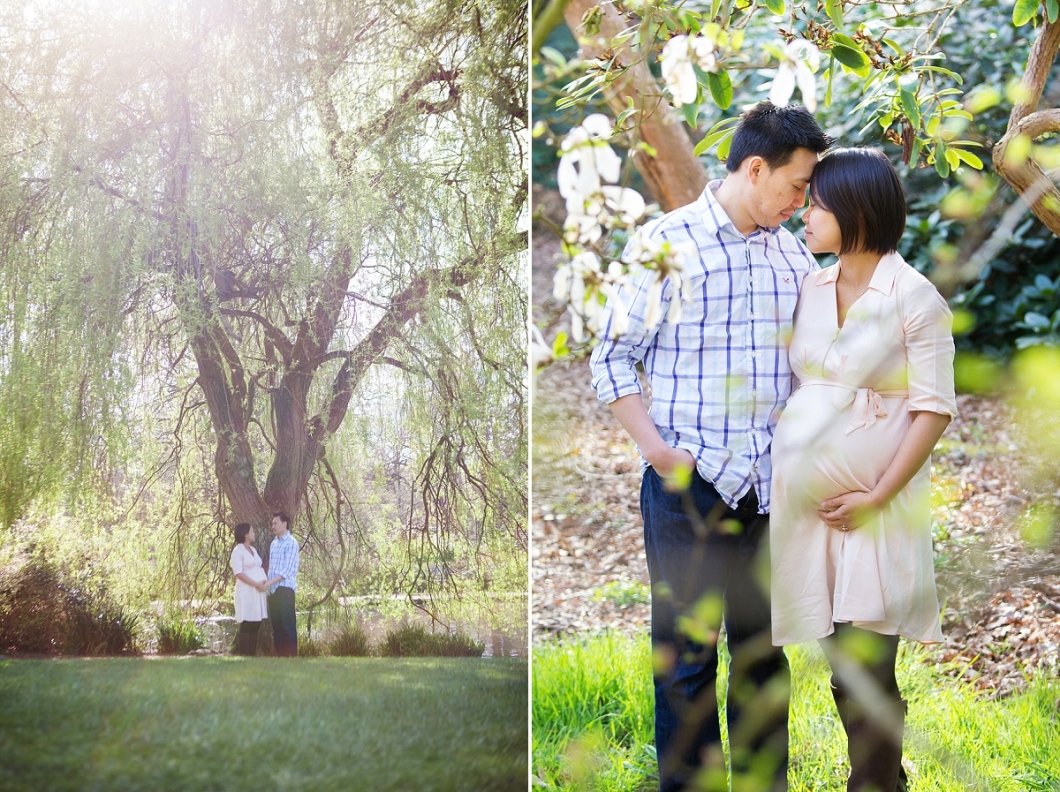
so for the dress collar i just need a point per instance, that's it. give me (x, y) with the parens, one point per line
(882, 278)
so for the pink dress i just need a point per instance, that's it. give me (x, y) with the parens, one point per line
(859, 388)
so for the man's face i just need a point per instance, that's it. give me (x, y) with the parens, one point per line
(278, 526)
(777, 194)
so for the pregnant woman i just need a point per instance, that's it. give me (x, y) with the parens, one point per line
(850, 528)
(250, 598)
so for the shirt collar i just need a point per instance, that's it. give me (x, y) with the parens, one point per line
(882, 278)
(716, 219)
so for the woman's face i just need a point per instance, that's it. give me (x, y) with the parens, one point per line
(822, 230)
(251, 536)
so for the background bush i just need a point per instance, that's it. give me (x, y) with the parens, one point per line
(178, 635)
(351, 641)
(46, 609)
(414, 641)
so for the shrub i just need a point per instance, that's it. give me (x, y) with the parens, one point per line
(350, 642)
(309, 647)
(48, 610)
(178, 635)
(414, 641)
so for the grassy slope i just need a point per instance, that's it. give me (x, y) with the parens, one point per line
(592, 715)
(263, 724)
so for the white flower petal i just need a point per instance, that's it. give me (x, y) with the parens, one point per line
(627, 205)
(597, 125)
(807, 86)
(561, 284)
(783, 86)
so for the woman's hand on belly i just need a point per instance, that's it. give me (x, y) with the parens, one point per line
(848, 511)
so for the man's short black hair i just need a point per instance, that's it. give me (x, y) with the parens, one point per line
(241, 532)
(774, 133)
(861, 188)
(283, 518)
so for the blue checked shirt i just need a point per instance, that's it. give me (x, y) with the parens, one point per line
(719, 377)
(283, 560)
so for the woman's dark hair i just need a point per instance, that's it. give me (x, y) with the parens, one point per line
(861, 188)
(241, 532)
(774, 133)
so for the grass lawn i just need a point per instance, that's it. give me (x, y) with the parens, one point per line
(593, 724)
(226, 723)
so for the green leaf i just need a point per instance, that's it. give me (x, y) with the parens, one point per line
(894, 45)
(724, 146)
(854, 59)
(1024, 11)
(707, 143)
(912, 109)
(778, 7)
(968, 158)
(942, 164)
(953, 159)
(914, 156)
(1052, 8)
(691, 114)
(845, 40)
(559, 345)
(1036, 320)
(720, 88)
(715, 9)
(834, 9)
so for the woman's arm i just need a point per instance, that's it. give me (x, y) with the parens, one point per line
(242, 576)
(854, 509)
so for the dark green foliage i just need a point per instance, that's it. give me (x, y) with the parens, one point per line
(414, 641)
(309, 647)
(350, 642)
(48, 610)
(178, 635)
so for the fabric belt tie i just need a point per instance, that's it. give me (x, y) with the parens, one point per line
(866, 404)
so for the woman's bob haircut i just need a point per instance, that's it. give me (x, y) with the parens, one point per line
(861, 188)
(241, 532)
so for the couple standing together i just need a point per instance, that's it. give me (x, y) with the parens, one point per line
(253, 584)
(806, 401)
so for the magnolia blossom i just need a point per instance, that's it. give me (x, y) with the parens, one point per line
(801, 60)
(540, 352)
(587, 161)
(677, 58)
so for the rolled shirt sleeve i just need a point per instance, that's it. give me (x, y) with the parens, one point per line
(928, 325)
(237, 560)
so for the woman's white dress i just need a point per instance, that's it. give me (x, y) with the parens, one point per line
(250, 603)
(859, 389)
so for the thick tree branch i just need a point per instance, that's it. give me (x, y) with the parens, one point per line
(1027, 177)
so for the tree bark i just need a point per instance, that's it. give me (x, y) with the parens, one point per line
(1028, 179)
(674, 175)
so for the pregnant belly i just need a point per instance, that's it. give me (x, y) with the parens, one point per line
(257, 574)
(813, 454)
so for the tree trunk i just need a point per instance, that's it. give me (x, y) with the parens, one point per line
(674, 175)
(1027, 178)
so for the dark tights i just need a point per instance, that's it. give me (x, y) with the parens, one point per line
(870, 706)
(247, 638)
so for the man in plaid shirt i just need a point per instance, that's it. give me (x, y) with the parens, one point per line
(719, 378)
(282, 583)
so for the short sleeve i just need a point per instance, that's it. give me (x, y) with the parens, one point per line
(237, 560)
(928, 326)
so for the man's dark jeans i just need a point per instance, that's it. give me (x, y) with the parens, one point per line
(703, 570)
(284, 627)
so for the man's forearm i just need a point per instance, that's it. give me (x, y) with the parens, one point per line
(630, 412)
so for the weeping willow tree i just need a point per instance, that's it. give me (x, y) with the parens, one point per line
(226, 227)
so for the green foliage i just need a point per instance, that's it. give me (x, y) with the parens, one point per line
(351, 641)
(45, 609)
(178, 634)
(310, 647)
(230, 724)
(413, 640)
(624, 593)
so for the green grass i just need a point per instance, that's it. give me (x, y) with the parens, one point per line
(592, 716)
(263, 724)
